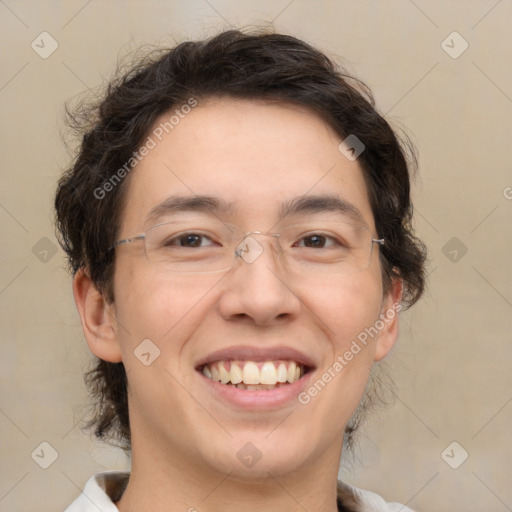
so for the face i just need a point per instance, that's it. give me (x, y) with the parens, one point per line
(254, 157)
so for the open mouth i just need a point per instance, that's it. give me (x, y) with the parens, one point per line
(254, 376)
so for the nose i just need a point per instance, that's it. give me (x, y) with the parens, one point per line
(258, 288)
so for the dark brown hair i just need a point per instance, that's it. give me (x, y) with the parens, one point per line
(263, 66)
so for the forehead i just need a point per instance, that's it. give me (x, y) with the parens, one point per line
(257, 158)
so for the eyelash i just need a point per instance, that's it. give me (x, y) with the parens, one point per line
(184, 235)
(326, 238)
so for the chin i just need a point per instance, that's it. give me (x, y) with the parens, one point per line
(249, 457)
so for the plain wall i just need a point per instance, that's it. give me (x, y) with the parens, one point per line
(452, 360)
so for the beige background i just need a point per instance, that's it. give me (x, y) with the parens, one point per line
(452, 360)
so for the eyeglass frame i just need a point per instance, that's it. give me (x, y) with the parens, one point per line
(143, 236)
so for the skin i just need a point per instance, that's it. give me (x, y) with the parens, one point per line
(185, 441)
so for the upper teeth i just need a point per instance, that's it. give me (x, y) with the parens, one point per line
(249, 372)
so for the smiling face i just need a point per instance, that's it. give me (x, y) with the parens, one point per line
(262, 167)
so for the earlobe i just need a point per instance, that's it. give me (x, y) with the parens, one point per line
(391, 307)
(97, 318)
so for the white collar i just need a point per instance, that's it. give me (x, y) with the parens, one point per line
(103, 489)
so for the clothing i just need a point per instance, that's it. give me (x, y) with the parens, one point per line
(104, 489)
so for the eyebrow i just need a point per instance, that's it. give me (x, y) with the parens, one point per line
(309, 204)
(301, 205)
(178, 204)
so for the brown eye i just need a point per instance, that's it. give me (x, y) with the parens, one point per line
(316, 241)
(189, 240)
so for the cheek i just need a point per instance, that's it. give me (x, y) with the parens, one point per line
(348, 308)
(159, 308)
(347, 312)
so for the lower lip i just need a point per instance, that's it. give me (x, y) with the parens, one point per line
(258, 400)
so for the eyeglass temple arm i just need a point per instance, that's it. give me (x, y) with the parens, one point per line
(128, 240)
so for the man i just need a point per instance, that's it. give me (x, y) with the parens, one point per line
(238, 226)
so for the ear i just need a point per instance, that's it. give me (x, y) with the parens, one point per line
(98, 319)
(391, 306)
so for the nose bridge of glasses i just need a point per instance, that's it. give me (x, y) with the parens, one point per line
(250, 249)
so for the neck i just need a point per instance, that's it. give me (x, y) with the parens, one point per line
(164, 482)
